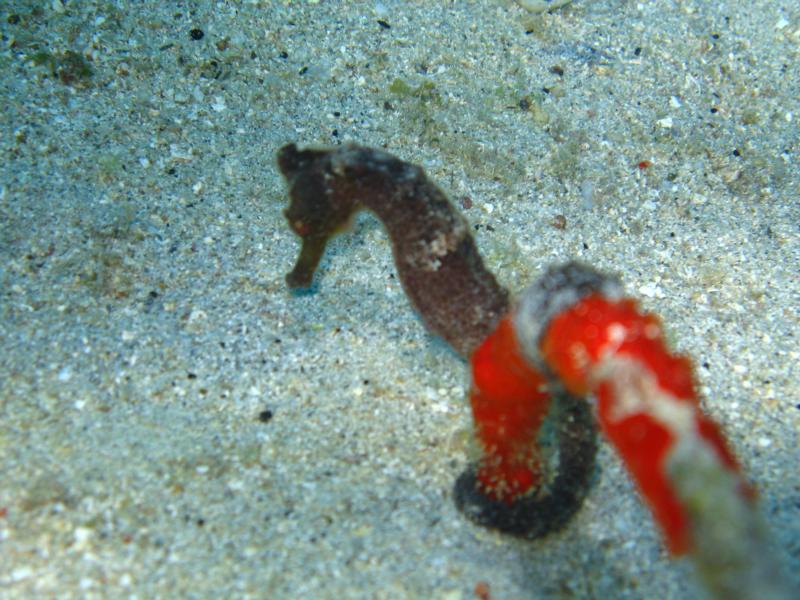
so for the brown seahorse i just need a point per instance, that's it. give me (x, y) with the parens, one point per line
(455, 295)
(437, 260)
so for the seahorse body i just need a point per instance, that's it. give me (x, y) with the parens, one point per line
(437, 260)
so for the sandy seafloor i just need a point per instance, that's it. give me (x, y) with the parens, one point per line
(146, 327)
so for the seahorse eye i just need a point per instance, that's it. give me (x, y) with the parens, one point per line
(300, 227)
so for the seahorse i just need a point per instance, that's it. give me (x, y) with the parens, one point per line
(459, 300)
(437, 260)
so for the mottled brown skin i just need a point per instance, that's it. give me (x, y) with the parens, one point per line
(437, 260)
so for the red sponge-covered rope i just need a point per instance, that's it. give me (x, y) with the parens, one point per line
(576, 325)
(646, 401)
(509, 401)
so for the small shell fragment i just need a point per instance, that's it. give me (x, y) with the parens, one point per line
(537, 6)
